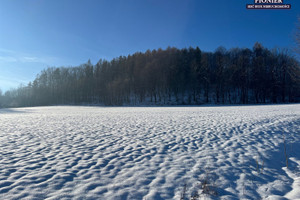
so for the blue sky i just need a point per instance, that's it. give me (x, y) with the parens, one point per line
(35, 34)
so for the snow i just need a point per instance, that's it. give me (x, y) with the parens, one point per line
(68, 152)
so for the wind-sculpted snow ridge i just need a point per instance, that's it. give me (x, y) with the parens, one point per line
(150, 153)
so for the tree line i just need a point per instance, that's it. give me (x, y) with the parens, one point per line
(168, 77)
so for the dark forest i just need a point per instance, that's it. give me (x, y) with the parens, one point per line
(168, 77)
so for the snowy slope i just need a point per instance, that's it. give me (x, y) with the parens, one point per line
(150, 153)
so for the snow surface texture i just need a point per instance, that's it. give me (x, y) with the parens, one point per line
(150, 153)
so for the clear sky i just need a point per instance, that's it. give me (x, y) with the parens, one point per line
(35, 34)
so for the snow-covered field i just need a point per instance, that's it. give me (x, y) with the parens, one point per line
(149, 153)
